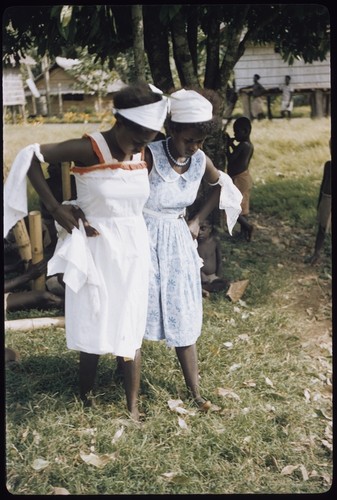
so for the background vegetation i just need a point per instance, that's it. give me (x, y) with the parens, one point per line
(265, 361)
(173, 46)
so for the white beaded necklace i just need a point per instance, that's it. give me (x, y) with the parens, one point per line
(177, 163)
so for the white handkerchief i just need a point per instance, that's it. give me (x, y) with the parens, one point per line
(230, 200)
(15, 187)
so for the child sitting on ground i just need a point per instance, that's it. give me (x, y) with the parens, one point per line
(209, 250)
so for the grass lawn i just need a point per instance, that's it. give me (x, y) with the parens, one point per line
(265, 362)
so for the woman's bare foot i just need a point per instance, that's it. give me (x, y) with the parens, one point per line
(135, 415)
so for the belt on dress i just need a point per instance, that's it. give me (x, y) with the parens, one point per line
(164, 215)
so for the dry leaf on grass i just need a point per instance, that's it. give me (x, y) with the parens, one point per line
(237, 289)
(249, 383)
(268, 381)
(117, 435)
(234, 367)
(307, 395)
(182, 424)
(289, 469)
(174, 477)
(60, 491)
(227, 393)
(174, 405)
(99, 461)
(40, 464)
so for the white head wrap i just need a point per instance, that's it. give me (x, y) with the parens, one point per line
(151, 116)
(188, 106)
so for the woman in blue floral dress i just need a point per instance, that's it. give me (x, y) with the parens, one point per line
(177, 166)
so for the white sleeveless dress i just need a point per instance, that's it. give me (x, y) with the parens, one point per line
(175, 295)
(107, 276)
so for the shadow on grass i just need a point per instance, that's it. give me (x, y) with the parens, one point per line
(55, 379)
(290, 200)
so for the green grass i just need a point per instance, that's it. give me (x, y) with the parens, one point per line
(278, 367)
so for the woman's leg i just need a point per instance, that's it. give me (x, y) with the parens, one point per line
(88, 369)
(188, 359)
(131, 371)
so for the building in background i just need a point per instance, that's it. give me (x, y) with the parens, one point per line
(312, 80)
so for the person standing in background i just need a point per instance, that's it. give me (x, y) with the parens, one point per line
(287, 98)
(323, 213)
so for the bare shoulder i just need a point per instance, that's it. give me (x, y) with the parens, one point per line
(73, 150)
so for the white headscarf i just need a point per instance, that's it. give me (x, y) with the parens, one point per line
(151, 116)
(188, 106)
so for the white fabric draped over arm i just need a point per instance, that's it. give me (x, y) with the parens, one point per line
(230, 199)
(15, 188)
(73, 259)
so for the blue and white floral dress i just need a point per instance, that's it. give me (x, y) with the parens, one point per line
(175, 295)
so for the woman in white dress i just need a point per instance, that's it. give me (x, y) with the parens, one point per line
(103, 247)
(177, 166)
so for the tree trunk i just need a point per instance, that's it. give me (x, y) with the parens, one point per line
(138, 41)
(211, 80)
(192, 36)
(157, 49)
(45, 68)
(181, 51)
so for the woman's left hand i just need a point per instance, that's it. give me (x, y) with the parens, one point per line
(194, 228)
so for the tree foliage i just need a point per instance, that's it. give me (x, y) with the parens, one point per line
(222, 30)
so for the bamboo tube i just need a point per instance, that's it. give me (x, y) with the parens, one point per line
(35, 232)
(66, 184)
(23, 242)
(34, 323)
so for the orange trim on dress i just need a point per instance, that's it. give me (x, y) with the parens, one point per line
(125, 165)
(113, 166)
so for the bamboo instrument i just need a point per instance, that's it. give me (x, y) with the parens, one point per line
(66, 184)
(23, 242)
(34, 323)
(35, 232)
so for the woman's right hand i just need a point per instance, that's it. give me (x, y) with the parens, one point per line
(64, 215)
(68, 215)
(79, 214)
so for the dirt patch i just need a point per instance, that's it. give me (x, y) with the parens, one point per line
(308, 297)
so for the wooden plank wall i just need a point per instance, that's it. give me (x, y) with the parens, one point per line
(12, 88)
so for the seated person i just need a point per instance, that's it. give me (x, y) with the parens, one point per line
(209, 250)
(15, 300)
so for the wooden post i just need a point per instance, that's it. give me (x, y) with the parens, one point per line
(270, 114)
(35, 231)
(59, 86)
(245, 99)
(66, 184)
(23, 242)
(319, 103)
